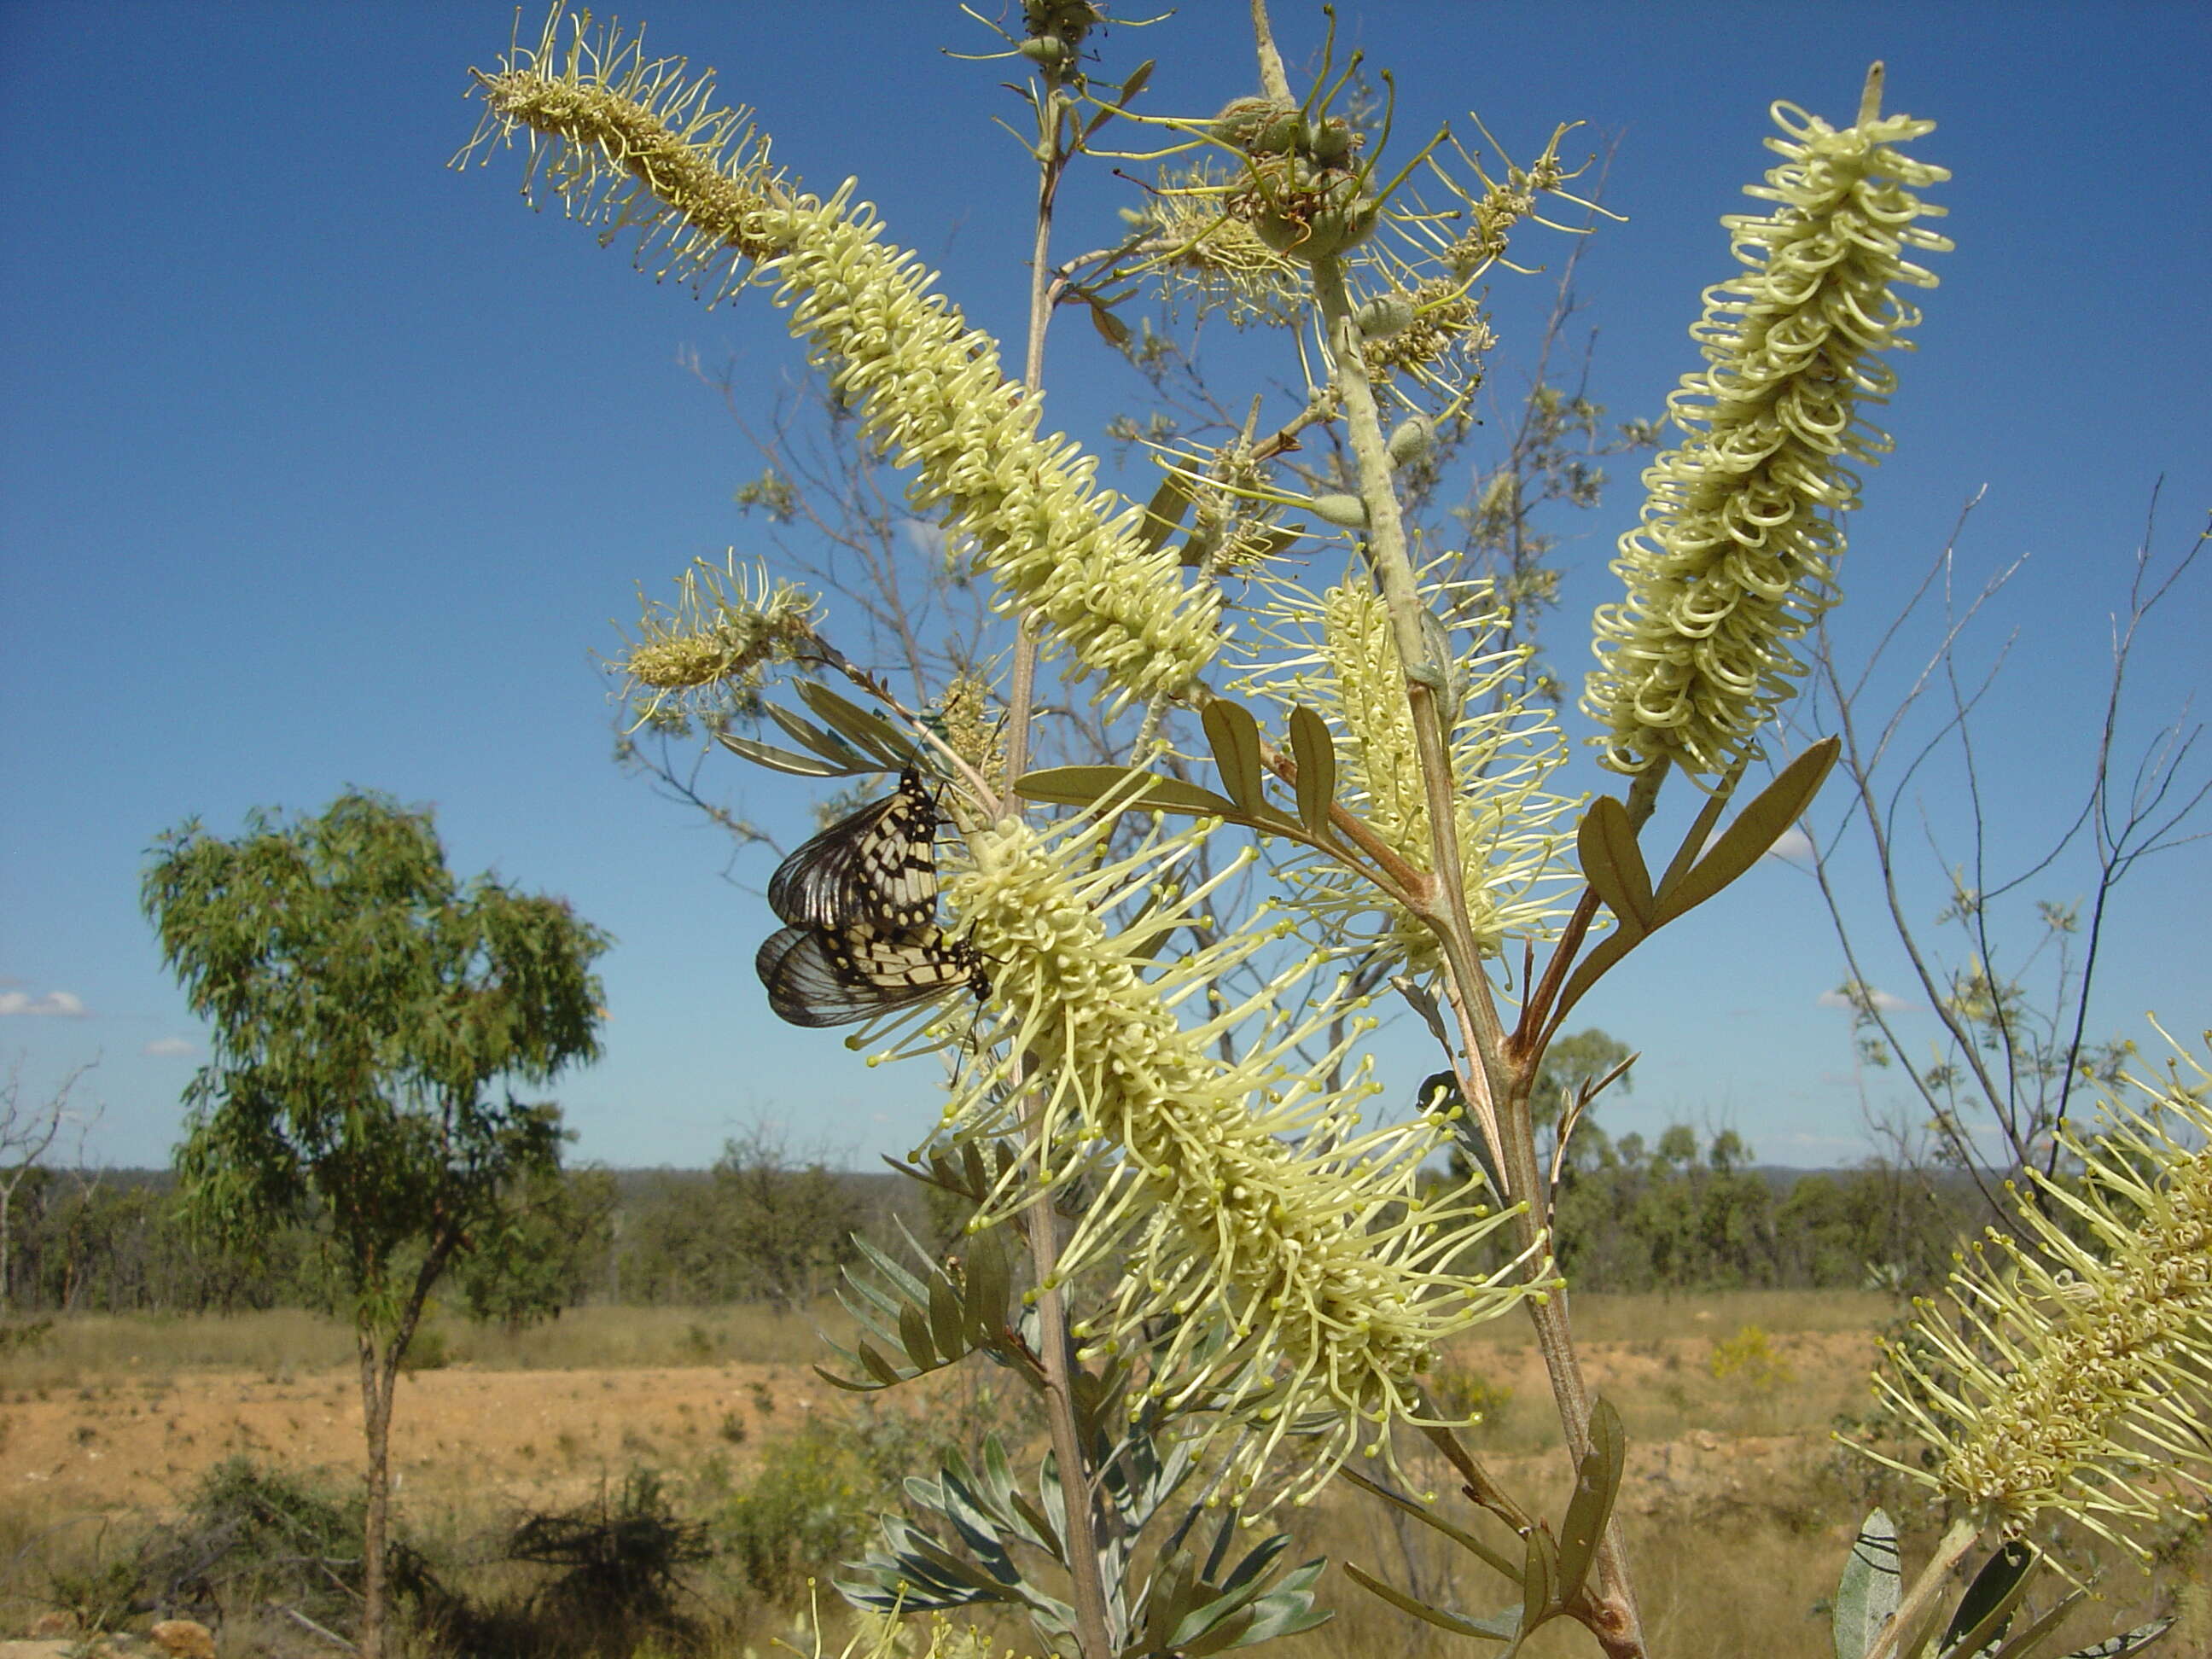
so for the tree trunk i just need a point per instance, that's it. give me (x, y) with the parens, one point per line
(377, 1375)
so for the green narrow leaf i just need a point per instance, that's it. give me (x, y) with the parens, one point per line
(1314, 751)
(1986, 1607)
(879, 1367)
(1172, 1591)
(1467, 1541)
(1041, 1533)
(1539, 1582)
(1613, 865)
(972, 1165)
(1597, 1482)
(1867, 1596)
(947, 1325)
(914, 1336)
(990, 1280)
(1757, 827)
(1164, 512)
(1111, 329)
(907, 1286)
(819, 740)
(1079, 786)
(1130, 88)
(1287, 1608)
(1235, 737)
(863, 728)
(1500, 1628)
(783, 760)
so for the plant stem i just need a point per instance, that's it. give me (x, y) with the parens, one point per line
(1950, 1550)
(1500, 1094)
(1080, 1527)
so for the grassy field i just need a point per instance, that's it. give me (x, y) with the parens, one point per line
(1738, 1506)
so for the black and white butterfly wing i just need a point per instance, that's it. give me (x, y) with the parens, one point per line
(875, 867)
(835, 976)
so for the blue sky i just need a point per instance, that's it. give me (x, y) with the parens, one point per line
(323, 465)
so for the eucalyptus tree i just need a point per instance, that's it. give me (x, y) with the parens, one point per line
(369, 1013)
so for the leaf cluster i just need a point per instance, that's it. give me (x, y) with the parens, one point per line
(1980, 1626)
(1552, 1570)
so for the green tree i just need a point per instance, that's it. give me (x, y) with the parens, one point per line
(764, 1228)
(558, 1226)
(364, 1003)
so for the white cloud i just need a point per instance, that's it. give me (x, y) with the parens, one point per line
(1793, 844)
(925, 537)
(1887, 1002)
(58, 1005)
(162, 1047)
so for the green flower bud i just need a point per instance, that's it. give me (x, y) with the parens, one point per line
(1414, 439)
(1348, 511)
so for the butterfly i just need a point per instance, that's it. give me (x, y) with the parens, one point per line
(835, 975)
(875, 867)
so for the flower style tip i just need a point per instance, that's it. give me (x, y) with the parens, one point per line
(1734, 557)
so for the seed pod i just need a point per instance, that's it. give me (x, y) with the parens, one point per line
(1329, 142)
(1280, 136)
(1244, 120)
(1384, 315)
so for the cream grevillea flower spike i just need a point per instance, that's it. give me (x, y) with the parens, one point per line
(708, 652)
(1503, 749)
(2073, 1370)
(1310, 1275)
(632, 143)
(1734, 557)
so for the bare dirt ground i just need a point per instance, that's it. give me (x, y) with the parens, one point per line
(476, 1436)
(484, 1436)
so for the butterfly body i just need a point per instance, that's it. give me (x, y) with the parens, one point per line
(860, 905)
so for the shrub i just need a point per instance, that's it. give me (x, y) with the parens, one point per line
(1749, 1355)
(810, 1501)
(622, 1563)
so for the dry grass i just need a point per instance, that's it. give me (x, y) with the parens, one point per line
(287, 1341)
(1737, 1518)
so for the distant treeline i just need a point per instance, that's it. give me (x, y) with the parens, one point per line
(1670, 1216)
